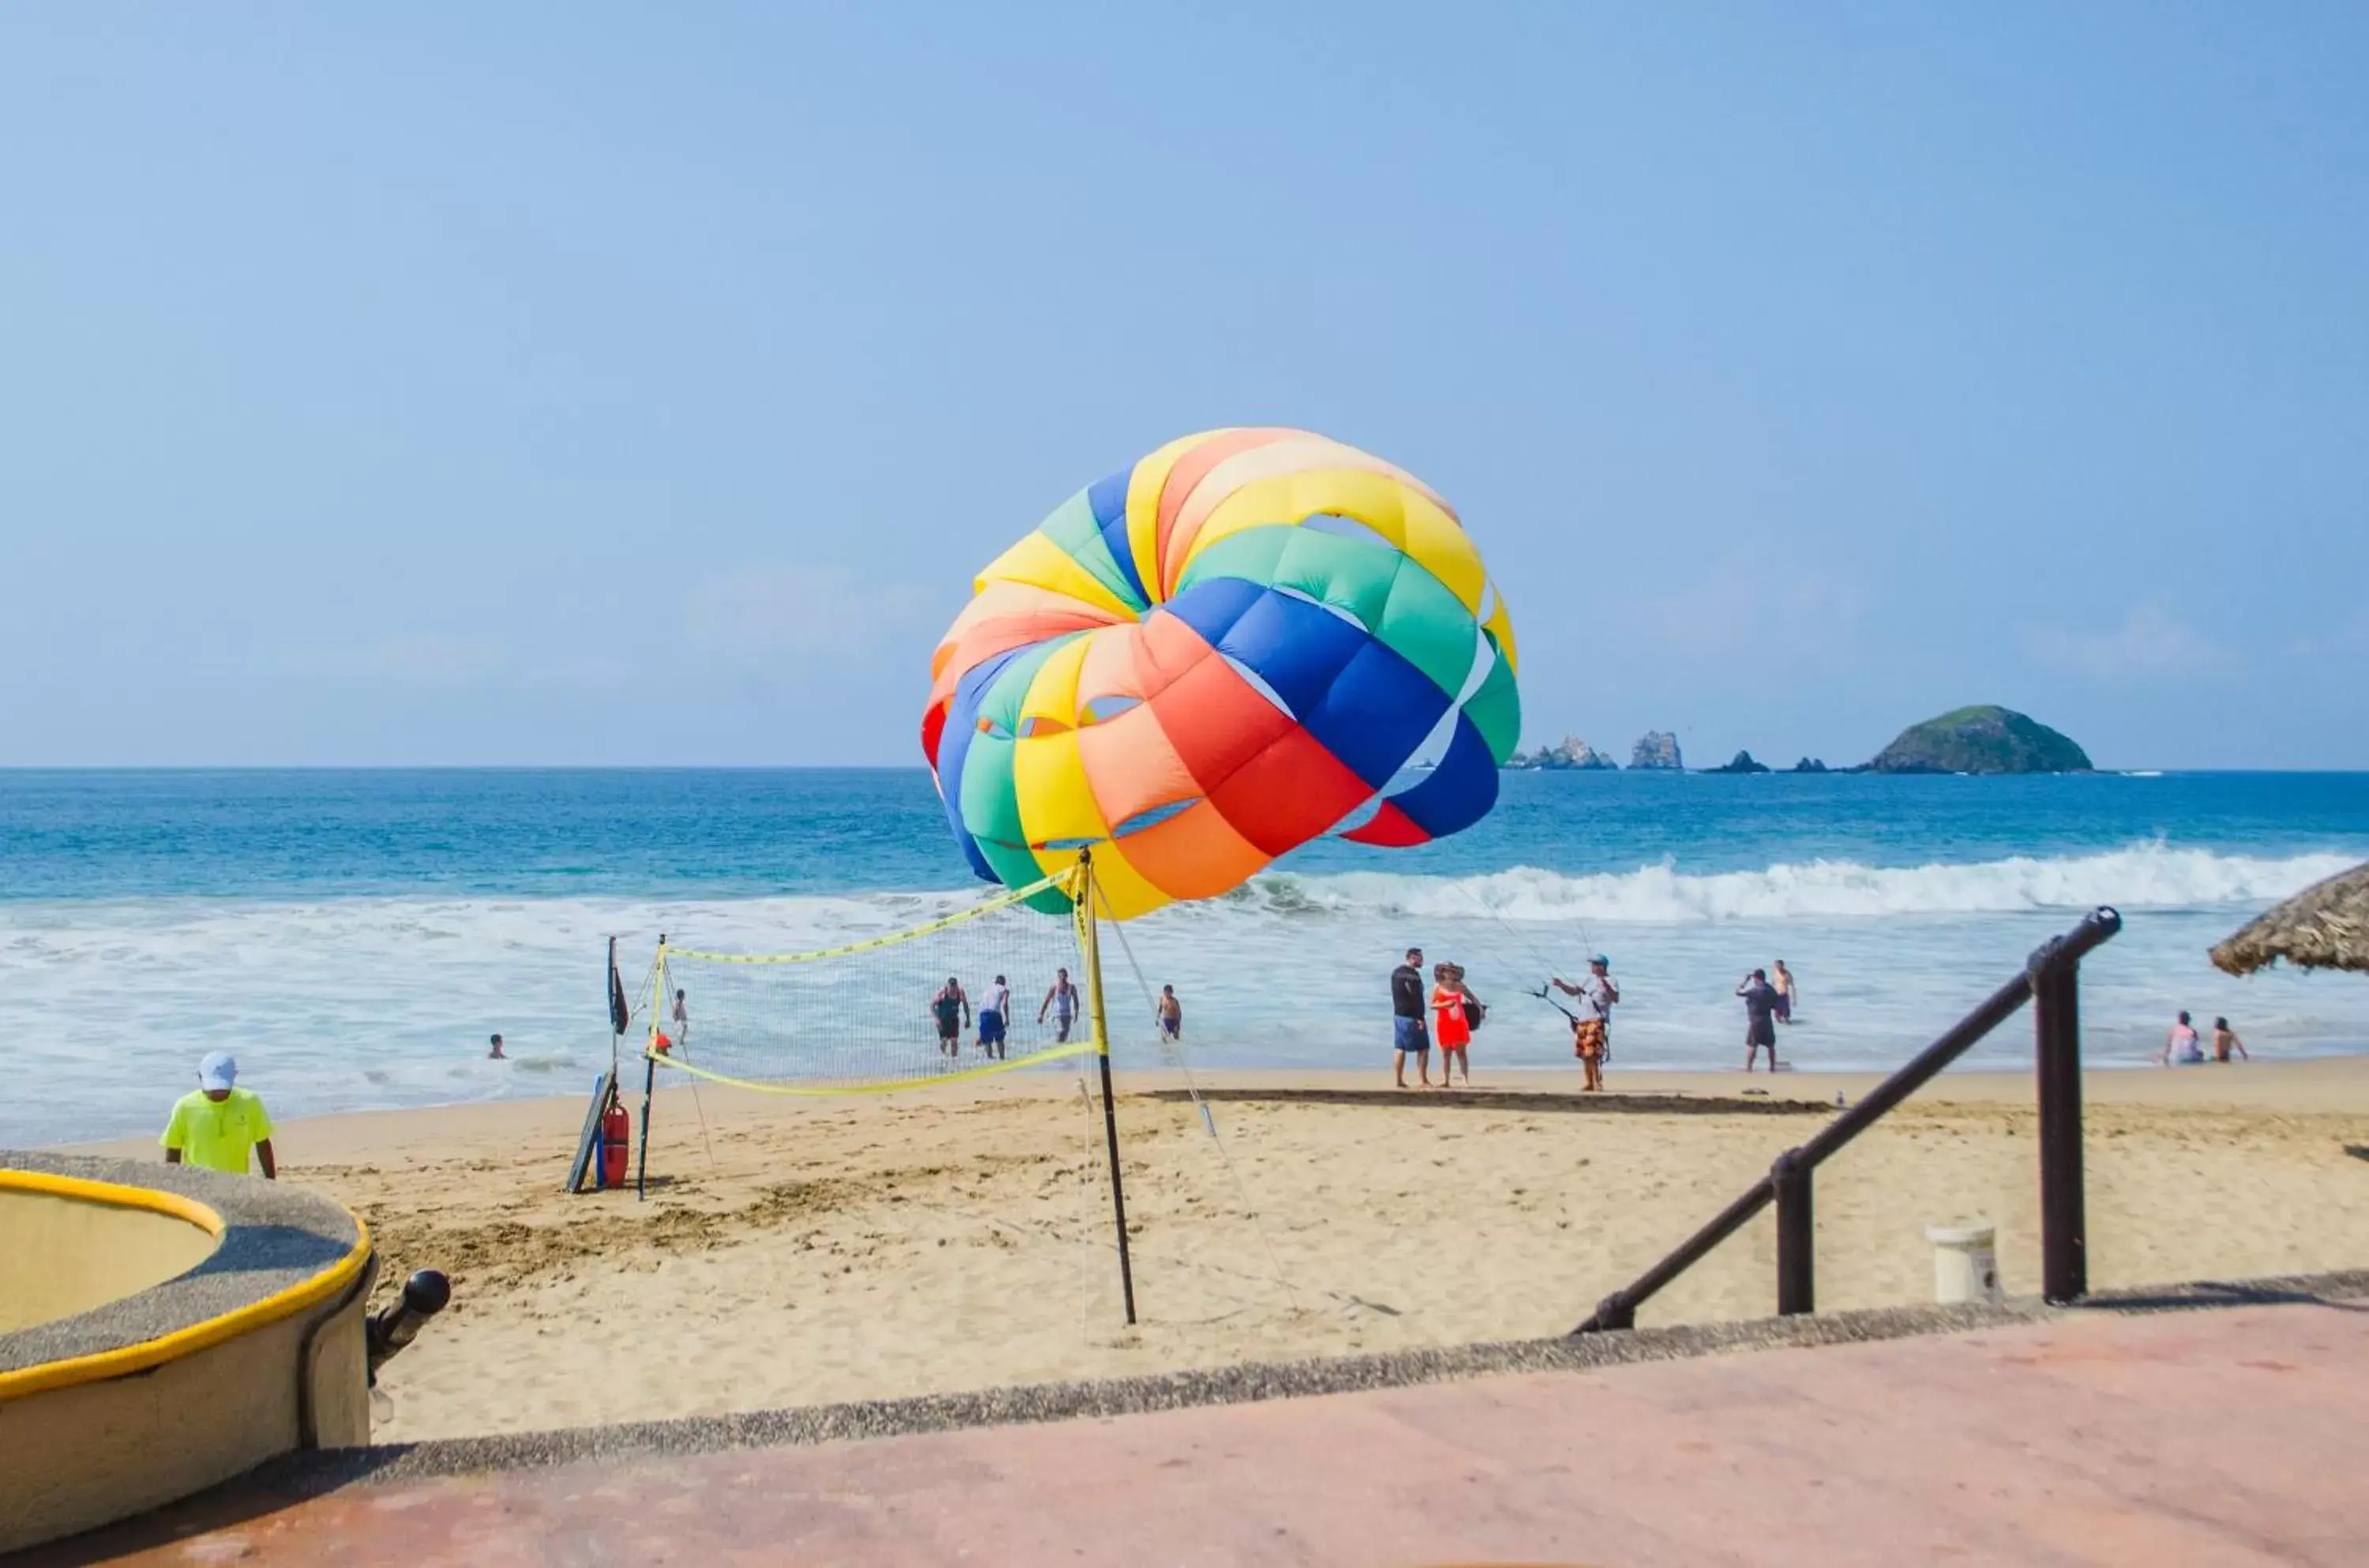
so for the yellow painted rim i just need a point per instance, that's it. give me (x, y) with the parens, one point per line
(115, 1192)
(130, 1359)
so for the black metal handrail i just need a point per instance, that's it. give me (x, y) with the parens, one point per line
(2051, 981)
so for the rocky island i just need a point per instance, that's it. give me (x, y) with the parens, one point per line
(1983, 739)
(1573, 752)
(1657, 749)
(1742, 762)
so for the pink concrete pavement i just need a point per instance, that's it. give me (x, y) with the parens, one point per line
(2223, 1436)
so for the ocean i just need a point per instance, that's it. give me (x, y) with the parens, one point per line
(354, 936)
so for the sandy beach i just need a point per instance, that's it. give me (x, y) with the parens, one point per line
(796, 1249)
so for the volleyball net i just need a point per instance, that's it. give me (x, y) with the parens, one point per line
(990, 988)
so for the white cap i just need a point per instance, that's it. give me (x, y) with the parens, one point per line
(219, 1070)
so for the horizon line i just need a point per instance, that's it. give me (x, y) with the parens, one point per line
(1846, 770)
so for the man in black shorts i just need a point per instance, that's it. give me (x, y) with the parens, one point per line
(1759, 1018)
(952, 1008)
(1410, 1031)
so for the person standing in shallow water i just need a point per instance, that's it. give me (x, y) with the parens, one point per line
(1787, 991)
(951, 1007)
(1171, 1014)
(1759, 1018)
(1062, 1001)
(994, 1015)
(1408, 1034)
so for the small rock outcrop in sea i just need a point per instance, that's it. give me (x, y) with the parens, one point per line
(1571, 752)
(1810, 765)
(1657, 749)
(1986, 739)
(1742, 762)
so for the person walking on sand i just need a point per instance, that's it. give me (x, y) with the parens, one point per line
(2179, 1046)
(1450, 1026)
(495, 1054)
(1171, 1014)
(993, 1015)
(2225, 1040)
(1591, 1019)
(1408, 1036)
(1062, 1002)
(216, 1125)
(1759, 1018)
(951, 1007)
(1787, 994)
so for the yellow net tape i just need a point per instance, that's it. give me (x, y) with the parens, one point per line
(988, 1070)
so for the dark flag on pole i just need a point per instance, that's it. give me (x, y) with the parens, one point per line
(620, 1016)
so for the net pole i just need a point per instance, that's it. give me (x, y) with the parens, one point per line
(1099, 1023)
(650, 1071)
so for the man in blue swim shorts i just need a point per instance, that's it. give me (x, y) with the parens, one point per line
(1409, 1035)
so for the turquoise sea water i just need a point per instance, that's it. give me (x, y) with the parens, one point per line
(355, 935)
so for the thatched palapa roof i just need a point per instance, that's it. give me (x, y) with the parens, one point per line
(2326, 926)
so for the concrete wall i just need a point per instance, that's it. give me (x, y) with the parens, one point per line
(61, 1256)
(76, 1457)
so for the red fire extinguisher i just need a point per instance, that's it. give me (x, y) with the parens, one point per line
(616, 1143)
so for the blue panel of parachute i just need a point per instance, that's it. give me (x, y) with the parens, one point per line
(1460, 791)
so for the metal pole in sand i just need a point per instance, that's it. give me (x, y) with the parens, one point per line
(1096, 1020)
(650, 1072)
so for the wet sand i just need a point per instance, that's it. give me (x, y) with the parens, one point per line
(794, 1250)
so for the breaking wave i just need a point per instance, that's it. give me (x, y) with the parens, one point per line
(2148, 875)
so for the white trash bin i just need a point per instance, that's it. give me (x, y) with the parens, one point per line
(1965, 1265)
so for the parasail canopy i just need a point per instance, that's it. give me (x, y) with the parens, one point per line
(1210, 657)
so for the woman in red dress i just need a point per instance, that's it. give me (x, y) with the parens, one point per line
(1451, 1027)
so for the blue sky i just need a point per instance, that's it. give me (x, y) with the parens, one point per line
(581, 383)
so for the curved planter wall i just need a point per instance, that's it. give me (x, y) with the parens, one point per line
(163, 1329)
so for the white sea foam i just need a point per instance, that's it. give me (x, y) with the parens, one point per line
(2143, 876)
(341, 1004)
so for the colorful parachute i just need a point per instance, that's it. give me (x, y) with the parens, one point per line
(1213, 657)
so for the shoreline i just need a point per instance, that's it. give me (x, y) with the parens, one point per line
(2337, 1084)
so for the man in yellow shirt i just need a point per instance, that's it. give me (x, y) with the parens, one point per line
(218, 1123)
